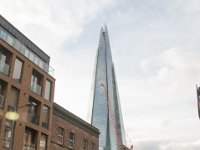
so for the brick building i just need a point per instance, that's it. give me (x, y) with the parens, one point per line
(71, 132)
(26, 87)
(27, 91)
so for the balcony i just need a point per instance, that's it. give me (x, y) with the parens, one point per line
(36, 88)
(4, 68)
(35, 120)
(33, 117)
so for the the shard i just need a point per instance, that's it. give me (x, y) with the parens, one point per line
(105, 109)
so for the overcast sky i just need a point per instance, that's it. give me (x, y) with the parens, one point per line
(156, 51)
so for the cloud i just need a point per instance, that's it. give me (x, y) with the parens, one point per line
(162, 104)
(57, 21)
(155, 46)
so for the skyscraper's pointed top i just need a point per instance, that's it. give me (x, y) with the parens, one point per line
(105, 105)
(104, 28)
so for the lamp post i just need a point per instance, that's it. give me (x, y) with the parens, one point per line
(13, 116)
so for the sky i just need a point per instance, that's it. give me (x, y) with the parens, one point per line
(156, 51)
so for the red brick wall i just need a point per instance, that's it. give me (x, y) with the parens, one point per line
(80, 135)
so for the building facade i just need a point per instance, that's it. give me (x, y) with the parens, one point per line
(26, 87)
(29, 118)
(105, 110)
(71, 132)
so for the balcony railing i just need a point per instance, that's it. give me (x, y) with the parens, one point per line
(4, 68)
(36, 88)
(33, 117)
(30, 146)
(7, 37)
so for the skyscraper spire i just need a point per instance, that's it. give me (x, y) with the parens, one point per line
(105, 110)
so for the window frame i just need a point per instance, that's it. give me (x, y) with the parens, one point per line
(72, 146)
(61, 133)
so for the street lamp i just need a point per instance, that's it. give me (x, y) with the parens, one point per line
(13, 116)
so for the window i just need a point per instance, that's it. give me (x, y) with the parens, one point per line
(3, 86)
(33, 113)
(43, 142)
(36, 80)
(60, 135)
(7, 134)
(47, 90)
(17, 70)
(85, 145)
(5, 58)
(45, 117)
(71, 140)
(30, 139)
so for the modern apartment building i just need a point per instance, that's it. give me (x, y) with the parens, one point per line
(26, 87)
(70, 132)
(29, 119)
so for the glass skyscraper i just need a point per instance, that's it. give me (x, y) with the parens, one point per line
(105, 109)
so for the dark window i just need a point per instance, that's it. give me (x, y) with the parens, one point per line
(33, 113)
(30, 139)
(85, 145)
(45, 116)
(3, 87)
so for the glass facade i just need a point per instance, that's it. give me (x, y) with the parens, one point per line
(106, 111)
(7, 37)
